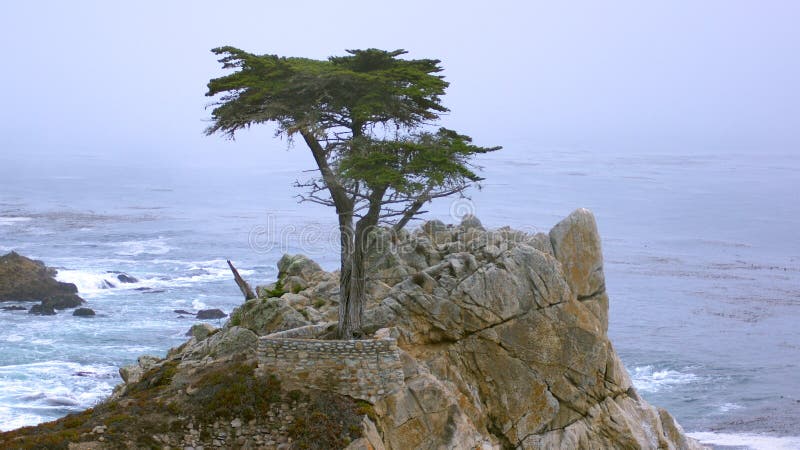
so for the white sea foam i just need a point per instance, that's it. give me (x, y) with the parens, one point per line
(94, 282)
(749, 441)
(32, 393)
(648, 379)
(726, 407)
(198, 305)
(12, 418)
(8, 221)
(91, 282)
(156, 246)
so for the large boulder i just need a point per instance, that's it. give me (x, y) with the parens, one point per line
(265, 316)
(22, 278)
(297, 266)
(505, 345)
(576, 245)
(200, 331)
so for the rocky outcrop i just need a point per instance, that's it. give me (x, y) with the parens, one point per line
(484, 339)
(505, 342)
(22, 278)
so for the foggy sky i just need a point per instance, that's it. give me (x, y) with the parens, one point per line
(127, 79)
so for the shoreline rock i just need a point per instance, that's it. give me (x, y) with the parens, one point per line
(83, 312)
(206, 314)
(26, 279)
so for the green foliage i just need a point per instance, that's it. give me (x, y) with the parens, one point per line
(51, 435)
(366, 408)
(295, 395)
(353, 92)
(236, 317)
(276, 291)
(413, 163)
(365, 86)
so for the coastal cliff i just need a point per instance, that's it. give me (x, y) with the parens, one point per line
(476, 339)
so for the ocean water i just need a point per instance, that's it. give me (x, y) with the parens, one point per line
(702, 263)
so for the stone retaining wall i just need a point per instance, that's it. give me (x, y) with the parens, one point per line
(362, 369)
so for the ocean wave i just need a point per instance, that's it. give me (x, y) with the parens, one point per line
(747, 440)
(13, 220)
(33, 393)
(93, 282)
(198, 305)
(648, 379)
(156, 246)
(727, 407)
(11, 419)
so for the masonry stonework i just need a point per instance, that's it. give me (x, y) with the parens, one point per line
(362, 369)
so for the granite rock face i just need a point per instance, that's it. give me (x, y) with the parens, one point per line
(505, 344)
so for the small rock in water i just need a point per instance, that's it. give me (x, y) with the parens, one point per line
(14, 308)
(42, 310)
(62, 301)
(150, 291)
(210, 314)
(108, 285)
(182, 311)
(125, 278)
(83, 312)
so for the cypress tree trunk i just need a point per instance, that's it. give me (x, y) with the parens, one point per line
(347, 234)
(354, 269)
(353, 285)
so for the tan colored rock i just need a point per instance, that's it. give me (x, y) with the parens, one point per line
(576, 244)
(297, 265)
(265, 316)
(507, 344)
(200, 331)
(371, 439)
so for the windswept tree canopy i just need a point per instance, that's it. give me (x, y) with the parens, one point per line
(367, 118)
(364, 88)
(367, 111)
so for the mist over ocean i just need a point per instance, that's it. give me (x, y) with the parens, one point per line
(702, 263)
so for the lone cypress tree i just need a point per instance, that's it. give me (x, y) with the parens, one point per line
(366, 117)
